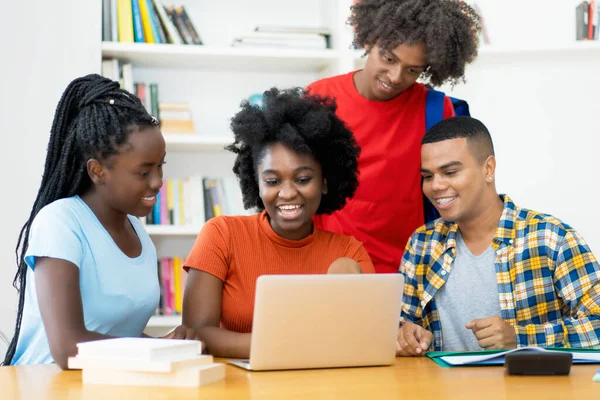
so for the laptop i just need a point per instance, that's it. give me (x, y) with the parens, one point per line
(324, 321)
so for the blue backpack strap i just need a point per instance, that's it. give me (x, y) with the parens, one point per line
(434, 113)
(434, 108)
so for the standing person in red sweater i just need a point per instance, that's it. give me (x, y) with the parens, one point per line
(384, 106)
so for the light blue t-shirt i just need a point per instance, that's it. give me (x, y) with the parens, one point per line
(119, 293)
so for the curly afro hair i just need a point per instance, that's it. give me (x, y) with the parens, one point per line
(305, 123)
(449, 30)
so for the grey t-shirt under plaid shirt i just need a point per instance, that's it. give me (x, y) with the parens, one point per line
(470, 292)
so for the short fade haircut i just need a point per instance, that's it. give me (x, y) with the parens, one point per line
(478, 137)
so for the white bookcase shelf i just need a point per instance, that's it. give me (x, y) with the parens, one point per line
(584, 47)
(575, 47)
(171, 230)
(196, 142)
(226, 58)
(164, 321)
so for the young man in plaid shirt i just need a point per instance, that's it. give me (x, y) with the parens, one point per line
(489, 274)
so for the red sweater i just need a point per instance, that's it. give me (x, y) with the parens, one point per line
(388, 204)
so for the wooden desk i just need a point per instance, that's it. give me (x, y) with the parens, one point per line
(408, 378)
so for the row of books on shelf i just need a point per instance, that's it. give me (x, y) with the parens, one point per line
(147, 21)
(192, 201)
(172, 279)
(173, 117)
(587, 20)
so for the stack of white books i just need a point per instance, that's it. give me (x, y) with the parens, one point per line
(284, 36)
(146, 362)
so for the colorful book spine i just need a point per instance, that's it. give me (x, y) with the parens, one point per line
(156, 210)
(171, 33)
(170, 201)
(124, 16)
(138, 29)
(146, 21)
(177, 284)
(155, 24)
(164, 207)
(181, 207)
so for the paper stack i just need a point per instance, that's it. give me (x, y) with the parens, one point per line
(146, 362)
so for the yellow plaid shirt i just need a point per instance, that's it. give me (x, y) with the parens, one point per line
(548, 279)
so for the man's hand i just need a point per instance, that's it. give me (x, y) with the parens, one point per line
(413, 340)
(183, 332)
(493, 333)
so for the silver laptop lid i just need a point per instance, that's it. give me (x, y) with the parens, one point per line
(320, 321)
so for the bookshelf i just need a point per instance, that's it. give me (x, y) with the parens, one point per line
(583, 48)
(228, 58)
(196, 142)
(214, 78)
(173, 231)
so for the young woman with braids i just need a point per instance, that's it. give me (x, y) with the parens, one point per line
(384, 106)
(86, 267)
(295, 159)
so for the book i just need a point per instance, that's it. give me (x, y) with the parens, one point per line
(157, 27)
(125, 18)
(172, 36)
(181, 11)
(282, 39)
(167, 366)
(496, 357)
(186, 377)
(292, 29)
(580, 21)
(127, 72)
(106, 21)
(149, 32)
(145, 349)
(114, 21)
(178, 22)
(154, 111)
(143, 94)
(138, 29)
(176, 118)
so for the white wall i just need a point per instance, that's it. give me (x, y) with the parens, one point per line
(45, 45)
(542, 111)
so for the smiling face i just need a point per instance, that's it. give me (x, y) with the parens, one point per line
(130, 180)
(290, 186)
(456, 182)
(388, 73)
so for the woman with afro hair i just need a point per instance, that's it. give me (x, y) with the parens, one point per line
(384, 106)
(295, 158)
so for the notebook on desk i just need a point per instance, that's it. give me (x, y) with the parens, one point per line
(496, 357)
(324, 321)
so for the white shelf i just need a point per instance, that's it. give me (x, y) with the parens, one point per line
(226, 58)
(164, 321)
(576, 47)
(171, 230)
(196, 142)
